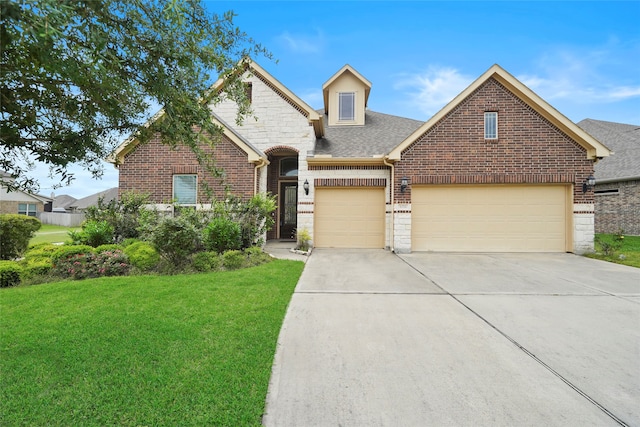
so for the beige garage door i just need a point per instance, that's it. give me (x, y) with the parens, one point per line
(349, 217)
(491, 218)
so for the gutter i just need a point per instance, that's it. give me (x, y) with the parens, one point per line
(610, 180)
(259, 165)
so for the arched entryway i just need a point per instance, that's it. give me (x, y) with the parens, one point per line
(282, 181)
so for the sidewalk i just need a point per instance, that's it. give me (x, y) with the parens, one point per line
(282, 250)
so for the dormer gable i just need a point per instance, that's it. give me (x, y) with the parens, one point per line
(346, 95)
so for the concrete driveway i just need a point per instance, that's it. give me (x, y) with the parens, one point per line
(375, 339)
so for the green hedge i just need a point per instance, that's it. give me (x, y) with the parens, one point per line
(15, 233)
(10, 274)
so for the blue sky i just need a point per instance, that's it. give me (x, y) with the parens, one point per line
(581, 57)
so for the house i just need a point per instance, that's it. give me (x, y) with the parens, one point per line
(497, 169)
(80, 205)
(617, 188)
(21, 202)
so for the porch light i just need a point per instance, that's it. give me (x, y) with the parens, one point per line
(588, 184)
(306, 187)
(404, 183)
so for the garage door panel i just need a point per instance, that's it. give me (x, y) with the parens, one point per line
(489, 218)
(350, 217)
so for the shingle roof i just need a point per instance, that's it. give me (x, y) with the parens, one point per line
(63, 201)
(380, 134)
(624, 141)
(92, 200)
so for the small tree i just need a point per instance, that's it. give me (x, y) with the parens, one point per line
(15, 233)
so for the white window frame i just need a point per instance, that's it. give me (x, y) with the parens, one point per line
(491, 125)
(343, 97)
(192, 201)
(30, 209)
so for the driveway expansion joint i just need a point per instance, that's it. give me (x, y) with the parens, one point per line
(522, 348)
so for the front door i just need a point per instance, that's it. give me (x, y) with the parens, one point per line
(288, 210)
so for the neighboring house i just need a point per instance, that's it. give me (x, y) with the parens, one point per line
(497, 169)
(617, 177)
(62, 202)
(80, 205)
(20, 202)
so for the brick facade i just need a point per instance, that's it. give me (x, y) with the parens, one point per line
(150, 167)
(529, 149)
(618, 210)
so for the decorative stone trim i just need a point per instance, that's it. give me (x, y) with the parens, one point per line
(494, 179)
(184, 169)
(345, 167)
(279, 148)
(350, 182)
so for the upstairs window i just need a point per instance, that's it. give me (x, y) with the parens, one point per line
(491, 125)
(248, 91)
(185, 188)
(346, 106)
(27, 209)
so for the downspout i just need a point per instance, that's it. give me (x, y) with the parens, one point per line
(261, 163)
(393, 208)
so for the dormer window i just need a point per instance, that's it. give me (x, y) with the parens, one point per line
(346, 106)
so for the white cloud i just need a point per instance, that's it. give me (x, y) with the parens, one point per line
(433, 89)
(300, 43)
(582, 76)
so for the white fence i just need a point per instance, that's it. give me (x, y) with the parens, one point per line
(59, 218)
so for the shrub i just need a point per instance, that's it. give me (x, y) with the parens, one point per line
(611, 246)
(93, 233)
(84, 265)
(142, 255)
(233, 260)
(122, 215)
(112, 263)
(15, 233)
(109, 247)
(256, 256)
(42, 251)
(304, 240)
(256, 219)
(222, 234)
(37, 268)
(176, 239)
(206, 261)
(129, 241)
(67, 251)
(10, 274)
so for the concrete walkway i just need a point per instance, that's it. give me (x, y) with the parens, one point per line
(375, 339)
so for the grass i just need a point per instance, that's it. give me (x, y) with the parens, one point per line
(52, 234)
(143, 350)
(630, 250)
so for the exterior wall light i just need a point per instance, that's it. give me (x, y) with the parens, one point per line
(404, 183)
(306, 187)
(588, 184)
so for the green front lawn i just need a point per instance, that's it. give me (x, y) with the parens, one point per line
(143, 350)
(628, 254)
(52, 234)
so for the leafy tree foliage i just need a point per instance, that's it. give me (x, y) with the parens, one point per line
(79, 75)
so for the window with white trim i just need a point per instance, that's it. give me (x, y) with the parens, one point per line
(27, 209)
(185, 189)
(346, 106)
(491, 125)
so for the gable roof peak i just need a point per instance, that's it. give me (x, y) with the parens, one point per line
(344, 69)
(594, 149)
